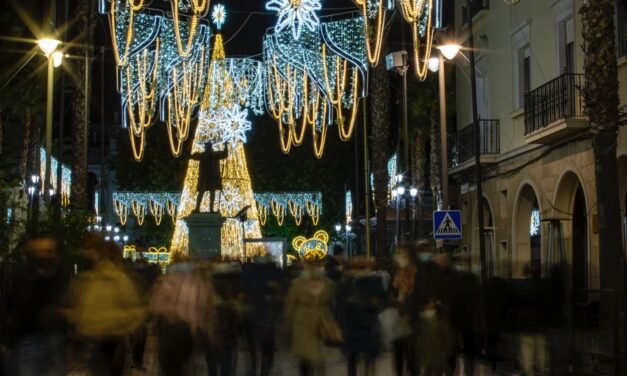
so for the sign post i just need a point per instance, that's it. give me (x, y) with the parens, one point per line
(447, 225)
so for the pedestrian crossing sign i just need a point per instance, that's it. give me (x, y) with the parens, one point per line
(447, 225)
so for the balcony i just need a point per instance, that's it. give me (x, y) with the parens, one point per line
(555, 109)
(463, 145)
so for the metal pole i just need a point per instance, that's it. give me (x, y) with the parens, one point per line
(398, 219)
(477, 143)
(49, 99)
(102, 136)
(443, 135)
(357, 223)
(61, 125)
(366, 176)
(405, 121)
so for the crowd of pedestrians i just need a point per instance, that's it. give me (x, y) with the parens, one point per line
(98, 316)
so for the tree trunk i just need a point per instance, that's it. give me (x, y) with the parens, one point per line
(34, 144)
(602, 101)
(23, 161)
(81, 109)
(419, 173)
(379, 113)
(1, 132)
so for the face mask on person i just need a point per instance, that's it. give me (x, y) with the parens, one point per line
(424, 257)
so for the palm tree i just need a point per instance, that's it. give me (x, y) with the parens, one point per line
(602, 101)
(379, 114)
(80, 107)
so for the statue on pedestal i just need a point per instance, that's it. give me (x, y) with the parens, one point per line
(209, 177)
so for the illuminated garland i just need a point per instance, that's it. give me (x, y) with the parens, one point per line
(314, 80)
(373, 10)
(420, 15)
(198, 9)
(296, 204)
(157, 203)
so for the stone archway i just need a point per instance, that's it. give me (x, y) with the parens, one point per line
(571, 205)
(527, 254)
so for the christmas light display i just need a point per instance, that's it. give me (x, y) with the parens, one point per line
(66, 176)
(295, 14)
(348, 206)
(294, 203)
(218, 16)
(424, 16)
(315, 80)
(313, 249)
(161, 63)
(229, 125)
(161, 203)
(374, 11)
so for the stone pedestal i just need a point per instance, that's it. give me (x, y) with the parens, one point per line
(205, 234)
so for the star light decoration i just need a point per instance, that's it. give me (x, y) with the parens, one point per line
(296, 14)
(227, 125)
(218, 16)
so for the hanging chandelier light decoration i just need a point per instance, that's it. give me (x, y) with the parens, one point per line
(314, 81)
(296, 15)
(424, 17)
(161, 60)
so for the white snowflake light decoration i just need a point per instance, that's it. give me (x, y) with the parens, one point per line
(295, 14)
(231, 201)
(234, 124)
(227, 125)
(218, 16)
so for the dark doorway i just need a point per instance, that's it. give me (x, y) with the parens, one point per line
(580, 241)
(535, 239)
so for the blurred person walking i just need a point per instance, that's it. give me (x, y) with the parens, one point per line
(262, 281)
(36, 324)
(221, 353)
(308, 314)
(361, 297)
(403, 285)
(184, 305)
(104, 307)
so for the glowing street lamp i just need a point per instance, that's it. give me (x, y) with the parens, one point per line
(49, 47)
(449, 51)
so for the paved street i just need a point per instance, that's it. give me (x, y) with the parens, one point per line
(286, 366)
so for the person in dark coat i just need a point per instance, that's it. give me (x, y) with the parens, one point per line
(209, 178)
(38, 340)
(361, 297)
(262, 287)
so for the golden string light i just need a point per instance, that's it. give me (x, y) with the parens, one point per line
(157, 211)
(142, 98)
(314, 212)
(181, 102)
(296, 211)
(374, 52)
(320, 139)
(121, 210)
(139, 211)
(198, 9)
(171, 208)
(121, 60)
(413, 11)
(263, 214)
(278, 211)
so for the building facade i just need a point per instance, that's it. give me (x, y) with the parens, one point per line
(539, 190)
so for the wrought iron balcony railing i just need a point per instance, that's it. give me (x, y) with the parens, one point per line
(463, 144)
(560, 98)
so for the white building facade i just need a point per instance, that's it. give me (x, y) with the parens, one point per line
(538, 163)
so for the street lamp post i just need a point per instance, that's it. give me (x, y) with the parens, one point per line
(49, 47)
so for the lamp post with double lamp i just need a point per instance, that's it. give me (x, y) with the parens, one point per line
(55, 58)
